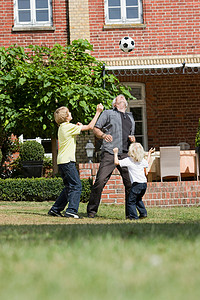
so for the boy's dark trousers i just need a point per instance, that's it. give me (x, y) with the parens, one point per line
(135, 200)
(72, 190)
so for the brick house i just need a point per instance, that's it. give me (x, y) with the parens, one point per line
(164, 67)
(163, 70)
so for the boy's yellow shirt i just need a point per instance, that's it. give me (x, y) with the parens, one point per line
(67, 142)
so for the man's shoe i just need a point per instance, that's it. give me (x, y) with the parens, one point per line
(72, 215)
(91, 215)
(132, 219)
(142, 216)
(54, 213)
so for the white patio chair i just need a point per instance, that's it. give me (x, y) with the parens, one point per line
(184, 146)
(170, 162)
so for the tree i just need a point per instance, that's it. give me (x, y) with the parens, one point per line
(37, 80)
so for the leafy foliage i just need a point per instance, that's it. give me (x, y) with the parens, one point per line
(37, 189)
(8, 145)
(197, 138)
(37, 80)
(31, 150)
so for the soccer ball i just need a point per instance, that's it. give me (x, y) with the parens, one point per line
(127, 44)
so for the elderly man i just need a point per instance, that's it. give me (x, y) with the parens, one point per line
(116, 127)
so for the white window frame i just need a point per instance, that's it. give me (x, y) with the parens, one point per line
(142, 104)
(124, 19)
(33, 21)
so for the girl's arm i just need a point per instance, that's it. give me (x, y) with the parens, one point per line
(149, 154)
(148, 158)
(116, 160)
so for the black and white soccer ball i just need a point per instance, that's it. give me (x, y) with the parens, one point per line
(127, 44)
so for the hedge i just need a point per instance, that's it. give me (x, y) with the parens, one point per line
(37, 189)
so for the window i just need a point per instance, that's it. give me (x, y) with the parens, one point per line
(138, 109)
(33, 12)
(123, 11)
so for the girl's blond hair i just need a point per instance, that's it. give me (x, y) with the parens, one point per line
(61, 114)
(136, 152)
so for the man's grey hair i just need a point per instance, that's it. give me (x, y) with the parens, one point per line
(114, 100)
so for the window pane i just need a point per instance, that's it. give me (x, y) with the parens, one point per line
(24, 16)
(137, 93)
(139, 139)
(41, 3)
(138, 128)
(23, 4)
(131, 13)
(113, 2)
(114, 13)
(47, 146)
(137, 113)
(131, 2)
(42, 15)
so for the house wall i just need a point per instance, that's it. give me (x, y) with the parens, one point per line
(172, 107)
(79, 20)
(43, 37)
(170, 28)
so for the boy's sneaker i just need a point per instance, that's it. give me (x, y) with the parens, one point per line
(54, 213)
(72, 215)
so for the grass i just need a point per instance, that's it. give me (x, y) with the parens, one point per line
(46, 258)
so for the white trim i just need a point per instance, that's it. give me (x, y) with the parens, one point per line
(123, 20)
(142, 104)
(144, 67)
(165, 66)
(33, 10)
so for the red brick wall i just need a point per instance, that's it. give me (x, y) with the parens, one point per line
(172, 28)
(162, 194)
(173, 108)
(48, 38)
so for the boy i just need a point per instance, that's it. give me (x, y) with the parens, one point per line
(66, 161)
(136, 165)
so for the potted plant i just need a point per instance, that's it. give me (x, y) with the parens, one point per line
(31, 154)
(197, 143)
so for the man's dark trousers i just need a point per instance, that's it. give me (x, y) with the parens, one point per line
(106, 168)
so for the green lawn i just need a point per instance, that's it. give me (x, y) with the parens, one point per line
(42, 257)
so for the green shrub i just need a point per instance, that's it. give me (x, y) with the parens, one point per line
(31, 150)
(197, 138)
(86, 189)
(37, 189)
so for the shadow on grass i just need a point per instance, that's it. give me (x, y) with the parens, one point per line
(124, 231)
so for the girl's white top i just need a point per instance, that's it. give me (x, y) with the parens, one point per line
(135, 169)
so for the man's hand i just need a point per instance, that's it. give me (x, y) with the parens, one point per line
(132, 138)
(108, 138)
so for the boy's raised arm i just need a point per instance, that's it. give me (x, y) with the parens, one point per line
(90, 126)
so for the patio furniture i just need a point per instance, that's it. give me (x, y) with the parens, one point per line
(170, 162)
(189, 165)
(184, 146)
